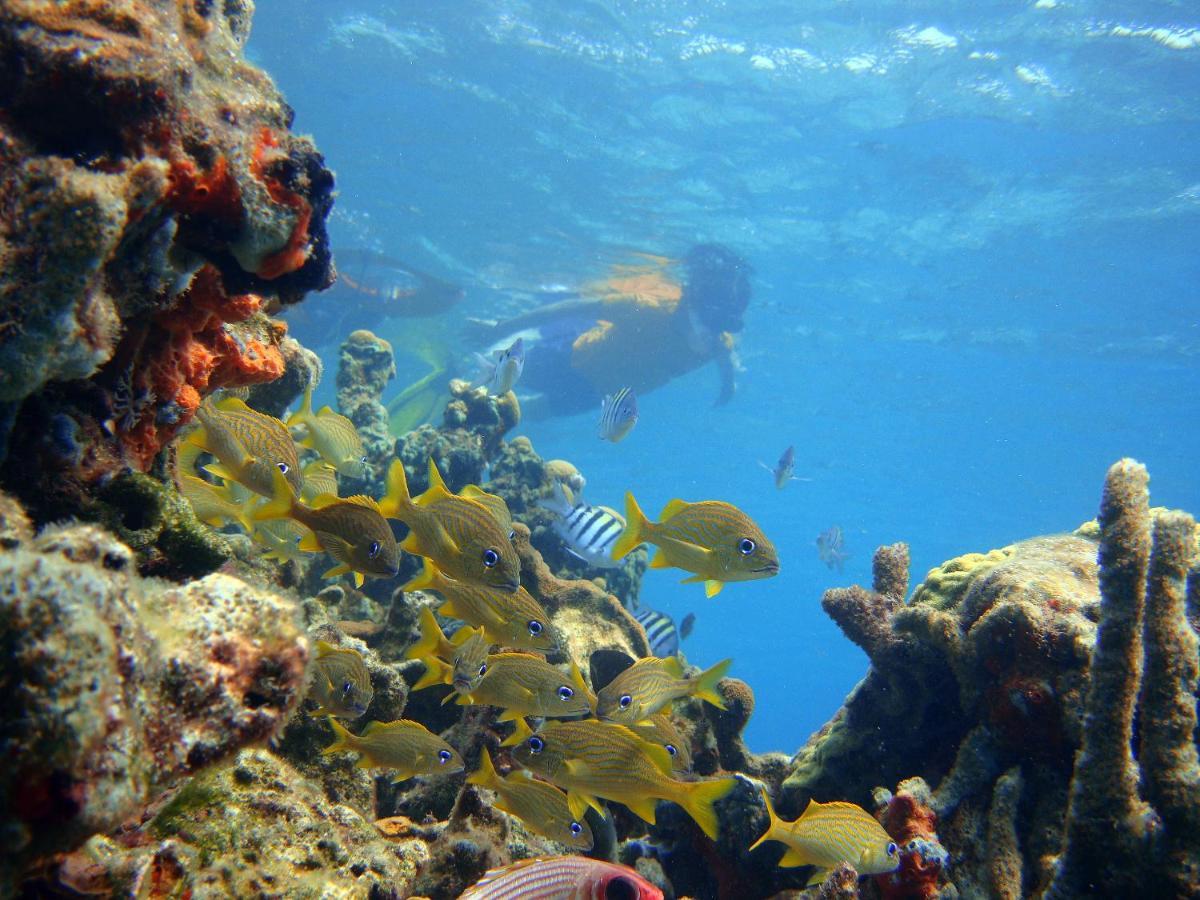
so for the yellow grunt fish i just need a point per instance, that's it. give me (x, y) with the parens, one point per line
(281, 538)
(250, 447)
(408, 747)
(467, 538)
(214, 505)
(526, 685)
(332, 435)
(541, 806)
(460, 661)
(514, 620)
(590, 759)
(319, 478)
(714, 540)
(341, 684)
(351, 530)
(659, 729)
(831, 833)
(650, 684)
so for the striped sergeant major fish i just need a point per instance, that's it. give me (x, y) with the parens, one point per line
(618, 415)
(661, 632)
(588, 531)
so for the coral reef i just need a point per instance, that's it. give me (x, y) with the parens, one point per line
(1031, 664)
(255, 828)
(117, 687)
(153, 206)
(365, 367)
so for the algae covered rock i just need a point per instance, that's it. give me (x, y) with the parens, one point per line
(116, 687)
(254, 828)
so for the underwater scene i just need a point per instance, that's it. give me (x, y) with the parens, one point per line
(599, 448)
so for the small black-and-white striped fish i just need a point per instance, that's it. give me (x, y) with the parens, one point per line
(660, 631)
(618, 415)
(588, 531)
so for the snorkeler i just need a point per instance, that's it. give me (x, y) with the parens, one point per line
(638, 331)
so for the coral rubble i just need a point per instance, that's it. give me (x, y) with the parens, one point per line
(116, 687)
(154, 206)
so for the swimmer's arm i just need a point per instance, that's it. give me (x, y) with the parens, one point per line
(728, 365)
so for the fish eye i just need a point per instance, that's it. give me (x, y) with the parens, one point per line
(283, 467)
(536, 744)
(373, 550)
(576, 829)
(891, 849)
(565, 693)
(444, 756)
(671, 749)
(535, 627)
(483, 669)
(746, 546)
(625, 700)
(490, 557)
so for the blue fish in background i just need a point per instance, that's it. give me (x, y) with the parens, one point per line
(831, 547)
(618, 415)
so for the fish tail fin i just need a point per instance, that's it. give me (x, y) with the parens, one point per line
(343, 739)
(431, 635)
(485, 775)
(635, 528)
(423, 580)
(706, 684)
(397, 500)
(304, 413)
(699, 799)
(282, 503)
(775, 826)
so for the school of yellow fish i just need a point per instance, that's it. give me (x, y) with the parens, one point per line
(619, 745)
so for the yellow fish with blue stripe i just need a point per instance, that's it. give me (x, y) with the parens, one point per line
(351, 530)
(460, 661)
(651, 684)
(216, 506)
(250, 446)
(715, 540)
(407, 747)
(332, 435)
(541, 806)
(828, 834)
(469, 536)
(590, 759)
(522, 684)
(514, 620)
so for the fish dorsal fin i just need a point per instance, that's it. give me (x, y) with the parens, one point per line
(582, 687)
(357, 500)
(673, 508)
(437, 487)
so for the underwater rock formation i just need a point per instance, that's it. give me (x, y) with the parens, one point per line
(255, 828)
(366, 365)
(116, 687)
(153, 206)
(1029, 665)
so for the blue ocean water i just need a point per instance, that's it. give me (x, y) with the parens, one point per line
(973, 228)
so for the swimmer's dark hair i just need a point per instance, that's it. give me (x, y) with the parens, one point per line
(717, 286)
